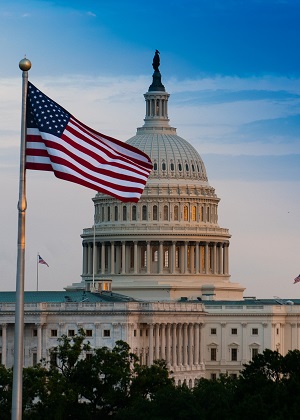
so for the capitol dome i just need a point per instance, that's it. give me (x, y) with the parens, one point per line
(169, 245)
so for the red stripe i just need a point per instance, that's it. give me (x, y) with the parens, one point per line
(113, 140)
(111, 154)
(99, 170)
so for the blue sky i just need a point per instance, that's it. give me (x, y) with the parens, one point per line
(232, 68)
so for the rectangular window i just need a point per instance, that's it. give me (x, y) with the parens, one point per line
(88, 356)
(0, 333)
(213, 376)
(89, 333)
(106, 333)
(234, 355)
(213, 331)
(53, 333)
(141, 333)
(234, 331)
(254, 331)
(233, 376)
(213, 354)
(0, 358)
(254, 352)
(134, 333)
(34, 332)
(34, 359)
(53, 358)
(71, 333)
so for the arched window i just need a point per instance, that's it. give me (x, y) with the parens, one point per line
(201, 214)
(194, 213)
(179, 167)
(176, 213)
(193, 167)
(186, 167)
(155, 166)
(124, 213)
(163, 166)
(108, 214)
(208, 214)
(185, 213)
(116, 213)
(133, 212)
(155, 213)
(166, 213)
(144, 212)
(102, 214)
(172, 166)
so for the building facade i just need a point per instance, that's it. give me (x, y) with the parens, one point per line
(156, 274)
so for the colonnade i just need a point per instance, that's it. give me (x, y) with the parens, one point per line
(155, 257)
(180, 344)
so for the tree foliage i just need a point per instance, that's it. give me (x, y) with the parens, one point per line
(110, 383)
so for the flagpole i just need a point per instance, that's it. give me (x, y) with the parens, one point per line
(37, 272)
(16, 413)
(94, 251)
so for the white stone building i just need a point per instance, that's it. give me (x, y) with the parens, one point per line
(156, 274)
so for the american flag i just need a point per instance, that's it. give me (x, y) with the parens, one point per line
(56, 141)
(297, 279)
(42, 261)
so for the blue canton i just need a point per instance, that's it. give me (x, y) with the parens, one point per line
(45, 114)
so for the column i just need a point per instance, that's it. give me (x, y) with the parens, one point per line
(245, 354)
(196, 346)
(202, 343)
(174, 344)
(163, 341)
(112, 258)
(192, 256)
(190, 344)
(39, 342)
(185, 257)
(223, 341)
(148, 257)
(200, 258)
(84, 259)
(135, 257)
(214, 258)
(123, 258)
(173, 259)
(103, 258)
(151, 344)
(160, 258)
(4, 343)
(206, 258)
(221, 259)
(168, 344)
(156, 332)
(96, 262)
(226, 248)
(197, 256)
(179, 345)
(90, 258)
(265, 339)
(185, 344)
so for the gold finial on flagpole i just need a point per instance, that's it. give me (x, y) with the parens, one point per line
(25, 64)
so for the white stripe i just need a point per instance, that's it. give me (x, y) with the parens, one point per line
(84, 156)
(111, 147)
(67, 170)
(110, 143)
(111, 179)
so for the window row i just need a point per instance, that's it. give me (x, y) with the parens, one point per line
(233, 353)
(147, 212)
(192, 167)
(72, 333)
(234, 331)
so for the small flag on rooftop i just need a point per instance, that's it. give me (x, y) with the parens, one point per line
(42, 261)
(297, 279)
(56, 141)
